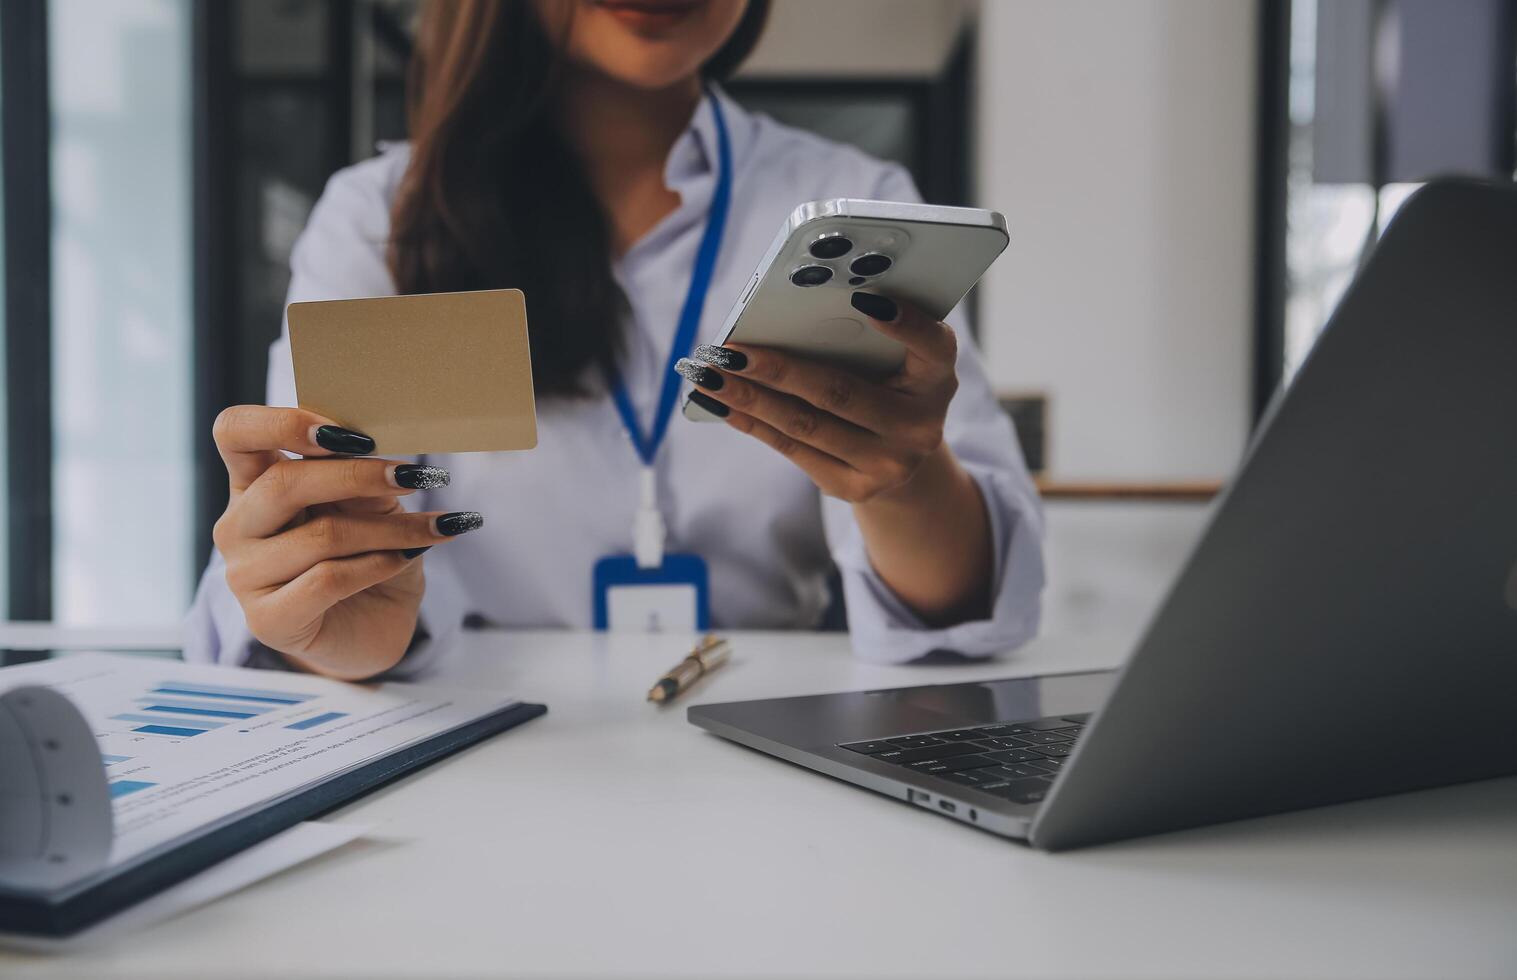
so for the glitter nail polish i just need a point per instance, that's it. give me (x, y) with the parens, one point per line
(415, 476)
(723, 357)
(698, 374)
(460, 522)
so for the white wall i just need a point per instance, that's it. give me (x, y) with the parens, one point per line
(859, 38)
(1118, 138)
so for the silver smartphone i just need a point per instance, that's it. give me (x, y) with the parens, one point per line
(798, 300)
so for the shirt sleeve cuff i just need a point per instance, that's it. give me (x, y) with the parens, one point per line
(885, 630)
(216, 631)
(438, 623)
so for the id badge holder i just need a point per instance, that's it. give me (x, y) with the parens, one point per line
(650, 591)
(669, 598)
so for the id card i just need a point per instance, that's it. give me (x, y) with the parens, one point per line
(672, 598)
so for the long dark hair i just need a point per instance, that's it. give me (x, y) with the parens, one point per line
(494, 197)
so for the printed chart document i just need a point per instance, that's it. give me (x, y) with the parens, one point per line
(115, 764)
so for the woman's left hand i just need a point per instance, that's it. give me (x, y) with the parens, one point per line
(857, 439)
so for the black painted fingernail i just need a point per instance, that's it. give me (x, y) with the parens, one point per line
(335, 439)
(875, 307)
(414, 476)
(460, 522)
(698, 374)
(710, 404)
(410, 553)
(723, 357)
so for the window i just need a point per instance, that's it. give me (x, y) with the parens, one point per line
(122, 343)
(1380, 97)
(1330, 224)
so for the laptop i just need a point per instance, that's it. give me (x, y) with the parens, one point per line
(1346, 626)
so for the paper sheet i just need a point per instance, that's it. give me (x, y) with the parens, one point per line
(110, 761)
(55, 805)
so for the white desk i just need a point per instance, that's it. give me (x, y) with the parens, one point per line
(553, 851)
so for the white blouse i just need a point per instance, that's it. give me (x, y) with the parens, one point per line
(768, 535)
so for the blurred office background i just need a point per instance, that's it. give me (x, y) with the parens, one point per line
(1190, 184)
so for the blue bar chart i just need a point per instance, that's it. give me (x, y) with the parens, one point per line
(172, 709)
(251, 695)
(171, 730)
(312, 722)
(125, 787)
(160, 720)
(179, 708)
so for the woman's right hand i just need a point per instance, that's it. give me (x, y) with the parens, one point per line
(319, 552)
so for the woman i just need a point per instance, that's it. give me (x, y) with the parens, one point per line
(570, 148)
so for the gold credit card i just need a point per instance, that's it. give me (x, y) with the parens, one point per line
(439, 373)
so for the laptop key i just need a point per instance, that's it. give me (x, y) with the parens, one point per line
(1047, 765)
(868, 748)
(1021, 790)
(1059, 750)
(990, 730)
(1044, 738)
(914, 741)
(1078, 719)
(1005, 742)
(952, 765)
(962, 735)
(1013, 756)
(945, 750)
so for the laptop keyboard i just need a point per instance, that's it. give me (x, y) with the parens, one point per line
(1017, 762)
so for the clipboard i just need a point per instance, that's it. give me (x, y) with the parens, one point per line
(62, 912)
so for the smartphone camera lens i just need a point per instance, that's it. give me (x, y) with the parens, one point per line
(811, 275)
(831, 247)
(870, 264)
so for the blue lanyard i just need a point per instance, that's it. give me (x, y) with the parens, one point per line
(647, 444)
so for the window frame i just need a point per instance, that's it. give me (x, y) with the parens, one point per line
(26, 128)
(1270, 199)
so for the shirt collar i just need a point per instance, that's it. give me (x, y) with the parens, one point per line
(690, 171)
(694, 154)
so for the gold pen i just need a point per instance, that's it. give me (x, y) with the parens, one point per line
(708, 655)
